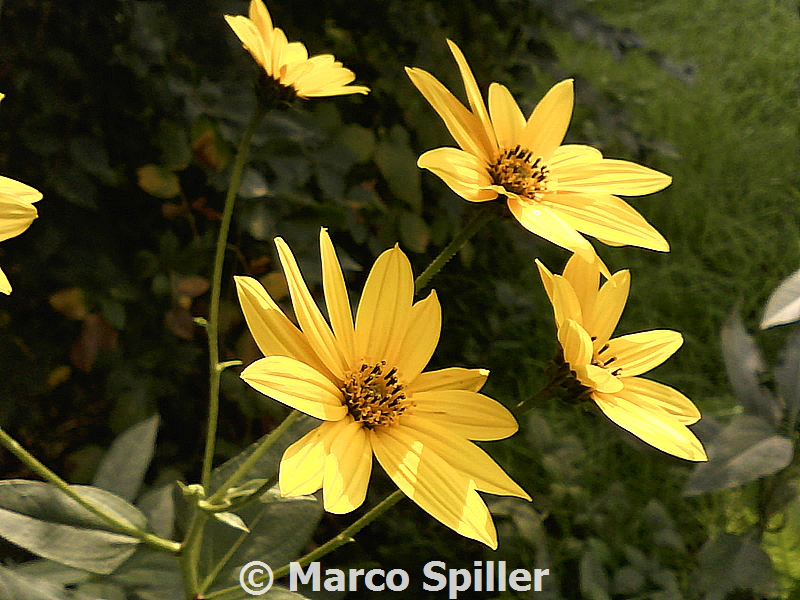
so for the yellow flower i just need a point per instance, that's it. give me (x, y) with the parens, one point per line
(607, 368)
(365, 382)
(16, 213)
(554, 191)
(287, 63)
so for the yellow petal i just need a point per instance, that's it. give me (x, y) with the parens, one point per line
(347, 469)
(547, 279)
(445, 493)
(548, 123)
(297, 385)
(657, 428)
(251, 39)
(565, 302)
(598, 378)
(5, 285)
(606, 218)
(466, 128)
(336, 297)
(11, 188)
(259, 15)
(16, 213)
(465, 174)
(303, 463)
(460, 454)
(473, 93)
(383, 312)
(638, 353)
(611, 176)
(274, 333)
(506, 116)
(654, 396)
(313, 324)
(608, 309)
(584, 277)
(576, 343)
(570, 156)
(544, 222)
(422, 336)
(468, 414)
(453, 378)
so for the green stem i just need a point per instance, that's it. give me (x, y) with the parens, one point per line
(345, 537)
(256, 455)
(481, 217)
(212, 327)
(117, 522)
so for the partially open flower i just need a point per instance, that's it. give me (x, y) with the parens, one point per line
(607, 369)
(365, 381)
(286, 63)
(554, 191)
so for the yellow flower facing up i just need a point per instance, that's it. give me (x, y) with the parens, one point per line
(608, 369)
(364, 380)
(554, 191)
(287, 63)
(17, 212)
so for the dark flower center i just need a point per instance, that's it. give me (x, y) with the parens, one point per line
(374, 396)
(518, 171)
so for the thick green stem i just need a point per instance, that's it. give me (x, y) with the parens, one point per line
(482, 216)
(212, 326)
(345, 537)
(118, 523)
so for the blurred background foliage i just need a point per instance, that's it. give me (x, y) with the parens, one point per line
(126, 114)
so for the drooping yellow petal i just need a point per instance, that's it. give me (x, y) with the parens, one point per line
(297, 385)
(655, 396)
(465, 127)
(611, 176)
(606, 218)
(464, 173)
(313, 324)
(598, 378)
(542, 221)
(657, 428)
(303, 463)
(506, 116)
(565, 302)
(638, 353)
(453, 378)
(548, 123)
(465, 413)
(422, 336)
(473, 93)
(576, 343)
(383, 312)
(584, 277)
(273, 332)
(336, 298)
(608, 309)
(347, 469)
(445, 493)
(460, 454)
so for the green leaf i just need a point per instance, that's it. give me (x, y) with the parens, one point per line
(732, 562)
(745, 366)
(398, 165)
(783, 305)
(746, 450)
(359, 140)
(231, 520)
(414, 232)
(594, 578)
(45, 521)
(123, 468)
(279, 529)
(18, 586)
(783, 545)
(158, 505)
(176, 154)
(150, 575)
(787, 379)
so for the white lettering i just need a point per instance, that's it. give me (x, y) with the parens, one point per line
(428, 571)
(354, 575)
(537, 578)
(517, 577)
(404, 580)
(370, 583)
(334, 580)
(296, 572)
(455, 586)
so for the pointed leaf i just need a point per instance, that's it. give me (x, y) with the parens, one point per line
(787, 379)
(19, 586)
(123, 467)
(746, 450)
(783, 305)
(730, 563)
(745, 366)
(158, 505)
(150, 575)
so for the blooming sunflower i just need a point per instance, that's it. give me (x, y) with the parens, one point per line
(287, 63)
(607, 369)
(17, 212)
(554, 191)
(365, 382)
